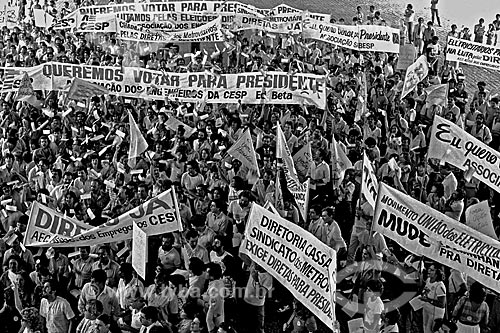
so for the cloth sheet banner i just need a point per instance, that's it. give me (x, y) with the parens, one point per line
(360, 37)
(414, 74)
(46, 224)
(285, 9)
(209, 32)
(284, 23)
(156, 216)
(472, 53)
(171, 16)
(294, 257)
(134, 32)
(449, 143)
(249, 88)
(139, 250)
(425, 231)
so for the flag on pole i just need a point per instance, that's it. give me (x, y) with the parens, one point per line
(83, 90)
(369, 182)
(243, 150)
(283, 152)
(340, 163)
(26, 92)
(303, 160)
(278, 194)
(138, 144)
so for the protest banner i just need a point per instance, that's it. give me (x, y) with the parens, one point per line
(424, 231)
(449, 143)
(45, 224)
(283, 24)
(407, 56)
(138, 144)
(243, 150)
(247, 88)
(168, 16)
(414, 74)
(478, 217)
(139, 250)
(209, 32)
(340, 163)
(96, 23)
(156, 216)
(134, 32)
(283, 153)
(294, 257)
(359, 37)
(9, 16)
(283, 9)
(473, 53)
(83, 90)
(303, 160)
(369, 182)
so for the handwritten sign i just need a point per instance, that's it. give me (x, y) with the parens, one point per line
(478, 217)
(139, 250)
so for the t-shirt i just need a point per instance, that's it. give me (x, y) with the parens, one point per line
(373, 307)
(57, 314)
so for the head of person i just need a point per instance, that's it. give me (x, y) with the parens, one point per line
(102, 324)
(98, 280)
(214, 271)
(93, 308)
(167, 241)
(327, 214)
(104, 252)
(477, 294)
(192, 238)
(435, 272)
(244, 199)
(149, 315)
(218, 244)
(374, 288)
(315, 212)
(49, 290)
(126, 272)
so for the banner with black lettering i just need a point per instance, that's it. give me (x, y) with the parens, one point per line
(294, 257)
(284, 23)
(285, 9)
(134, 32)
(46, 224)
(449, 143)
(355, 37)
(156, 216)
(425, 231)
(247, 88)
(473, 53)
(369, 182)
(96, 23)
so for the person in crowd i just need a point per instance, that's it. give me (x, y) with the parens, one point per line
(55, 310)
(434, 297)
(472, 312)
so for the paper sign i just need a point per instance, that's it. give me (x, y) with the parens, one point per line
(6, 201)
(417, 303)
(86, 196)
(136, 172)
(11, 208)
(478, 217)
(74, 254)
(120, 134)
(90, 213)
(109, 184)
(356, 325)
(11, 239)
(122, 252)
(140, 250)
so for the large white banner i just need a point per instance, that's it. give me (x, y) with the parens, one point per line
(156, 216)
(134, 32)
(359, 37)
(46, 224)
(209, 32)
(472, 53)
(284, 23)
(425, 231)
(449, 143)
(247, 88)
(294, 257)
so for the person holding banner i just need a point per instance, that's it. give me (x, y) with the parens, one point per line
(472, 312)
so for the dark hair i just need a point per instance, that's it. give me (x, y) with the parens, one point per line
(196, 265)
(99, 275)
(191, 234)
(105, 318)
(393, 317)
(215, 270)
(150, 313)
(477, 293)
(375, 286)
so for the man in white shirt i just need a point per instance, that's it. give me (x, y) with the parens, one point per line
(149, 319)
(55, 311)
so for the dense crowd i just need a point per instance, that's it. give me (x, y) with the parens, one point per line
(196, 280)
